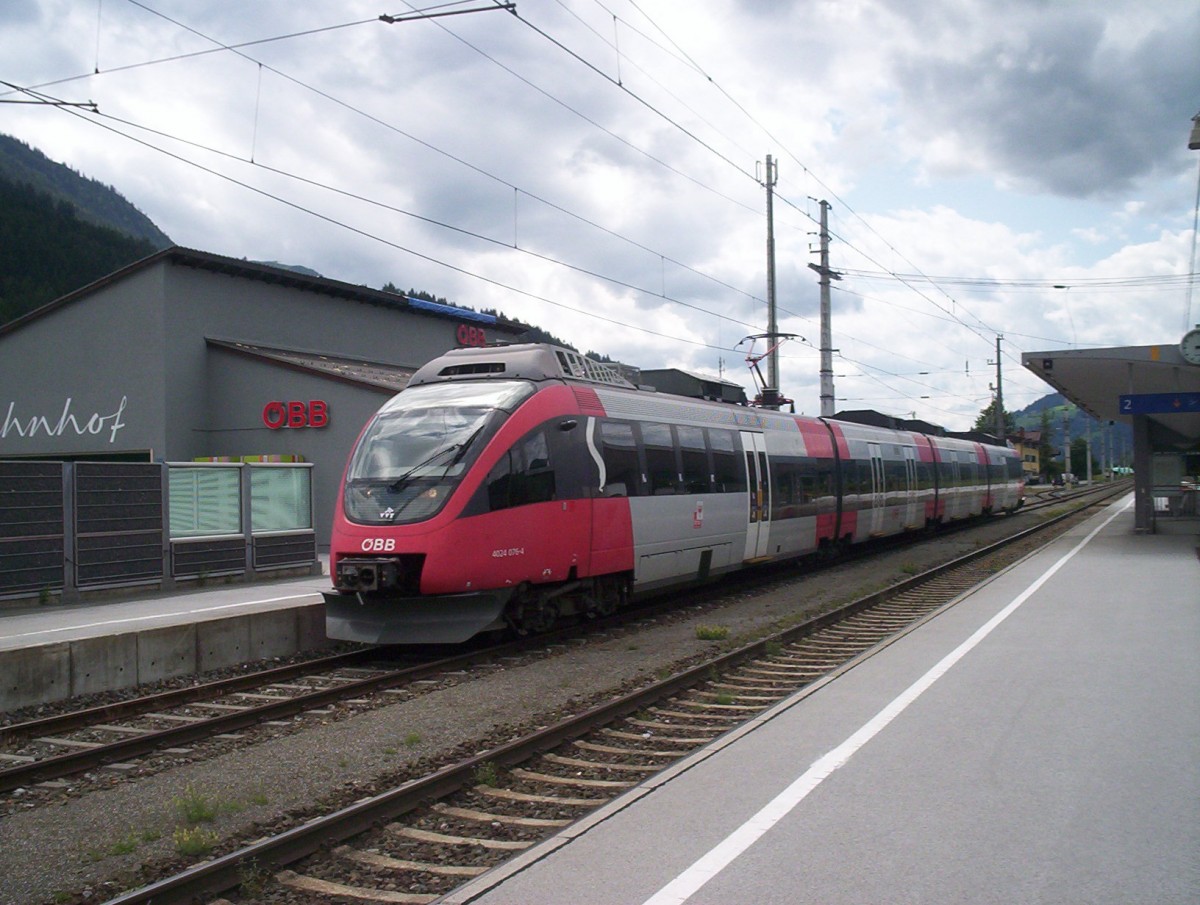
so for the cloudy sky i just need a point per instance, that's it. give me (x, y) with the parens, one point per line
(596, 167)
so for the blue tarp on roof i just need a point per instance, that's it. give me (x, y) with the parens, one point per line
(452, 310)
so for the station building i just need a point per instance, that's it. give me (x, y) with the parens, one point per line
(1156, 390)
(188, 356)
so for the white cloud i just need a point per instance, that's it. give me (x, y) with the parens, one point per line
(906, 111)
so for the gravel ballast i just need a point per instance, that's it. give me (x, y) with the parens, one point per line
(89, 847)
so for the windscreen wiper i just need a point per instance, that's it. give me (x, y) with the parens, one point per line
(429, 460)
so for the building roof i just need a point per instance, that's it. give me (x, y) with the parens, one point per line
(688, 383)
(1097, 379)
(373, 374)
(271, 273)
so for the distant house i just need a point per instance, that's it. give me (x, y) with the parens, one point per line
(1027, 443)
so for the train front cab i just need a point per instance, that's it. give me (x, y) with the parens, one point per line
(516, 512)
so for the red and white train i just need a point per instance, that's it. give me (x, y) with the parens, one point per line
(508, 486)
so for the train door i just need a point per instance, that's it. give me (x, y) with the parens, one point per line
(759, 483)
(878, 489)
(913, 516)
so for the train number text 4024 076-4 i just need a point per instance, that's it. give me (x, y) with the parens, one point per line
(508, 551)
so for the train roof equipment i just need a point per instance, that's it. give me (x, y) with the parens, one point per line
(524, 361)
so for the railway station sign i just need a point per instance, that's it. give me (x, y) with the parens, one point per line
(1160, 404)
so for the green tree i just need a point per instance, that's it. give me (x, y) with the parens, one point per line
(1079, 458)
(47, 251)
(986, 422)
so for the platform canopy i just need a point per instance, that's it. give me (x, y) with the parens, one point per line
(1118, 383)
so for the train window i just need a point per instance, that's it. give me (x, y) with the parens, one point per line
(693, 454)
(895, 480)
(945, 473)
(813, 486)
(995, 472)
(523, 475)
(860, 479)
(970, 471)
(925, 475)
(787, 487)
(661, 467)
(618, 449)
(729, 475)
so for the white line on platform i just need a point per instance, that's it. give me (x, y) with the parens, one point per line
(722, 855)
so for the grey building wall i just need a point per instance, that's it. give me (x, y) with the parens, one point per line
(239, 387)
(201, 305)
(89, 376)
(129, 365)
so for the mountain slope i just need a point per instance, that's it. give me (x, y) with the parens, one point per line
(94, 202)
(46, 251)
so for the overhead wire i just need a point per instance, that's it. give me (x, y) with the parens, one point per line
(1152, 282)
(690, 134)
(440, 151)
(949, 312)
(828, 190)
(382, 205)
(334, 221)
(500, 180)
(235, 48)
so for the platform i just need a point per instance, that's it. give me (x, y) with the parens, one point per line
(54, 652)
(1033, 742)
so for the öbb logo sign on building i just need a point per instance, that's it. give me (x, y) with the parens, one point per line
(314, 413)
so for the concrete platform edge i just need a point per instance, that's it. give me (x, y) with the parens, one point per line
(53, 672)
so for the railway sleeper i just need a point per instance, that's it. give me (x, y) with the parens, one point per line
(528, 798)
(387, 862)
(301, 883)
(493, 817)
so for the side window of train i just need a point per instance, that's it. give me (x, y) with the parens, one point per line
(661, 467)
(729, 475)
(693, 457)
(618, 449)
(786, 489)
(945, 467)
(924, 475)
(816, 476)
(971, 471)
(523, 475)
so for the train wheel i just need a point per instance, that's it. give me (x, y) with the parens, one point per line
(543, 618)
(606, 597)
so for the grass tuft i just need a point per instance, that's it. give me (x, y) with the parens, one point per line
(194, 840)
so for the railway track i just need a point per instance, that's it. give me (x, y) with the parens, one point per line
(419, 841)
(111, 737)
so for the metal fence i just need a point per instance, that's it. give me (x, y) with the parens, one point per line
(67, 527)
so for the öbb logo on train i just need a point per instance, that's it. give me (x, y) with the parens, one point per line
(379, 545)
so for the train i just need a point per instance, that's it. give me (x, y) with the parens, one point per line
(510, 486)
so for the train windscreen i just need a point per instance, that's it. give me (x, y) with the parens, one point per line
(418, 446)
